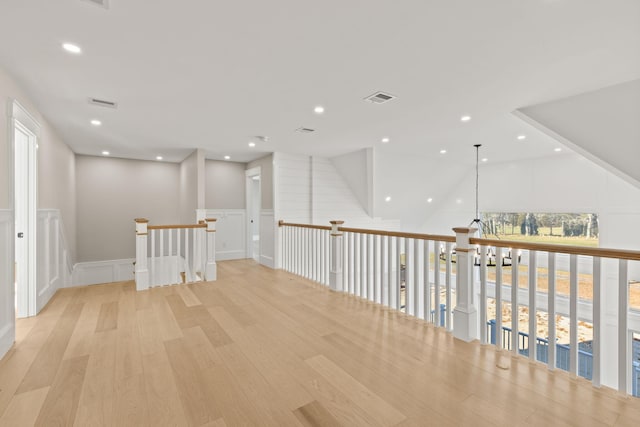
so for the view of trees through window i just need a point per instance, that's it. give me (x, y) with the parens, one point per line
(561, 228)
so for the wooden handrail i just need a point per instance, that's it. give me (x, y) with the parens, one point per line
(166, 227)
(315, 227)
(376, 232)
(572, 250)
(542, 247)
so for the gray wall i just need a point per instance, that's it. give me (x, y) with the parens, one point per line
(111, 193)
(224, 185)
(57, 183)
(266, 179)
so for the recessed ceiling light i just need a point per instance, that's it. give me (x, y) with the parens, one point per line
(252, 144)
(72, 48)
(96, 122)
(227, 157)
(443, 151)
(429, 200)
(319, 109)
(158, 157)
(485, 159)
(385, 140)
(557, 150)
(387, 199)
(521, 137)
(105, 153)
(458, 201)
(465, 118)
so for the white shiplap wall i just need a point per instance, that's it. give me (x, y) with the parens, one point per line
(311, 191)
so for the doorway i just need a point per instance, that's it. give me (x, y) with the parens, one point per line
(254, 202)
(24, 130)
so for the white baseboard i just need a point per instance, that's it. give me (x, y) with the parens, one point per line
(229, 255)
(267, 261)
(95, 272)
(7, 338)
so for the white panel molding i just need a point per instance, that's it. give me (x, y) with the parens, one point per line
(268, 226)
(231, 232)
(7, 302)
(97, 272)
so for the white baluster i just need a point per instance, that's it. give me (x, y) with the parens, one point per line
(162, 280)
(498, 295)
(426, 315)
(356, 264)
(417, 272)
(398, 283)
(370, 268)
(597, 320)
(170, 263)
(351, 261)
(390, 274)
(515, 312)
(377, 267)
(624, 364)
(483, 295)
(363, 265)
(447, 283)
(573, 315)
(178, 255)
(533, 308)
(154, 271)
(408, 278)
(551, 311)
(187, 249)
(384, 264)
(436, 288)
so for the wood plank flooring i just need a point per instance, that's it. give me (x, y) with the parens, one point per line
(265, 348)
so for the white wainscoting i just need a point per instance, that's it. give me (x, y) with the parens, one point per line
(96, 272)
(53, 267)
(7, 298)
(267, 238)
(231, 229)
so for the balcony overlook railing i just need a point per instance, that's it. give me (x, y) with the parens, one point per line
(173, 254)
(575, 297)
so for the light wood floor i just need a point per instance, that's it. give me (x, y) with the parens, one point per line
(265, 348)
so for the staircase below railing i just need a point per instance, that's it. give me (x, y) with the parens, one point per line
(174, 254)
(576, 297)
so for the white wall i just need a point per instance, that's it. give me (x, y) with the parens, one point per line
(230, 232)
(266, 179)
(112, 193)
(192, 186)
(356, 169)
(562, 183)
(7, 301)
(224, 185)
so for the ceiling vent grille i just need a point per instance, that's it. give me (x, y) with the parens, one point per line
(103, 103)
(380, 98)
(305, 130)
(101, 3)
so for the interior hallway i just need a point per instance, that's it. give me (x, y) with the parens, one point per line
(264, 347)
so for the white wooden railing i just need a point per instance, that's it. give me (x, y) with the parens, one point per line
(174, 254)
(445, 280)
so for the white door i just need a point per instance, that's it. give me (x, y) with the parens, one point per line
(25, 219)
(254, 202)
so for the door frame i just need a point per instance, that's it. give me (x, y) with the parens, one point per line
(249, 174)
(21, 120)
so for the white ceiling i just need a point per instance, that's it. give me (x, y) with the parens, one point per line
(204, 74)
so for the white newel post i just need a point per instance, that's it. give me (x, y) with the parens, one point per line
(465, 316)
(211, 269)
(336, 257)
(141, 270)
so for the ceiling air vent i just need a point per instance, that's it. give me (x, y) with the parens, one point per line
(101, 3)
(380, 98)
(102, 103)
(305, 130)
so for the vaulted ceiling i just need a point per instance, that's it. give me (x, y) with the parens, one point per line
(213, 75)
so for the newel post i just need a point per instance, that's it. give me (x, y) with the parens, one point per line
(465, 315)
(211, 269)
(336, 257)
(141, 270)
